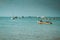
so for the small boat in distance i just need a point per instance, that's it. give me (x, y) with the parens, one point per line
(41, 22)
(44, 23)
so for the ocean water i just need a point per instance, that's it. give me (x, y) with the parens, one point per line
(28, 29)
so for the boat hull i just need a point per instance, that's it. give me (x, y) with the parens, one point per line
(44, 23)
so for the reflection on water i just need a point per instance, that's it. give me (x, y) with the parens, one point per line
(28, 29)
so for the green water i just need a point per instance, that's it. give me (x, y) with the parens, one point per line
(28, 29)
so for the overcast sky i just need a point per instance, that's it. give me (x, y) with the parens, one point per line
(30, 8)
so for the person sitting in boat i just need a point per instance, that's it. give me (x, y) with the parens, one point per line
(41, 21)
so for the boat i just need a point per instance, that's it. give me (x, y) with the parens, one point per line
(44, 22)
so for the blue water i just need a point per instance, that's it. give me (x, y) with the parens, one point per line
(28, 29)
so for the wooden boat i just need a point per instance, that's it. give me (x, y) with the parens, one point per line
(44, 22)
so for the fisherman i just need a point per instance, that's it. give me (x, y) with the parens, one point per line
(41, 21)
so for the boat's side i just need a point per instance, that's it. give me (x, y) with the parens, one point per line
(43, 23)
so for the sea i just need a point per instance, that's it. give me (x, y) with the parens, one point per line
(28, 29)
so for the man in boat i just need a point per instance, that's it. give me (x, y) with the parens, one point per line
(41, 21)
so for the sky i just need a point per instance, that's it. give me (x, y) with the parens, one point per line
(30, 8)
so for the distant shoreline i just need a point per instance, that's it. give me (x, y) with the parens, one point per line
(31, 16)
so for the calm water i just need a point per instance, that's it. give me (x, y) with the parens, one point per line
(28, 29)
